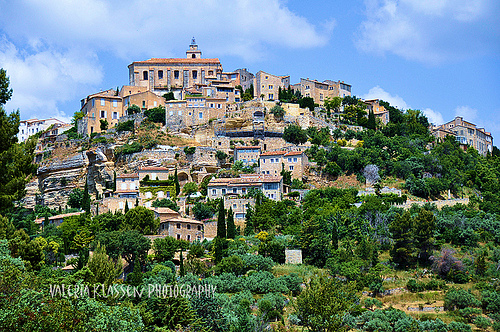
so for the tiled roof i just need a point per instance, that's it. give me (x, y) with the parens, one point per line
(153, 168)
(246, 147)
(245, 180)
(177, 60)
(60, 216)
(128, 176)
(273, 153)
(293, 153)
(186, 220)
(163, 210)
(121, 191)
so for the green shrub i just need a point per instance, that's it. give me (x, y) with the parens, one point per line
(190, 150)
(128, 149)
(125, 126)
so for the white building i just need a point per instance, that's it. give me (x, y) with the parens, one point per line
(28, 128)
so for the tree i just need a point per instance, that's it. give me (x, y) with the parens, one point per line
(294, 134)
(403, 251)
(169, 96)
(5, 92)
(231, 228)
(126, 207)
(156, 114)
(165, 248)
(371, 124)
(86, 198)
(221, 220)
(133, 109)
(425, 224)
(324, 303)
(105, 271)
(333, 103)
(176, 183)
(16, 160)
(278, 112)
(104, 124)
(189, 189)
(307, 102)
(130, 245)
(141, 219)
(75, 198)
(166, 202)
(202, 211)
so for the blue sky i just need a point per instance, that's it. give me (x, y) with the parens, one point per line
(439, 56)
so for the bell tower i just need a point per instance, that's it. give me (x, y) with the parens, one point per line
(193, 52)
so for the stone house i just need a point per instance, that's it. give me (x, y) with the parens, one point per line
(271, 186)
(273, 162)
(468, 134)
(172, 224)
(56, 220)
(249, 155)
(268, 85)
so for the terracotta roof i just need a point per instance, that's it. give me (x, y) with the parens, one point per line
(163, 210)
(128, 176)
(247, 147)
(60, 216)
(246, 180)
(119, 191)
(273, 153)
(181, 219)
(153, 168)
(293, 153)
(177, 60)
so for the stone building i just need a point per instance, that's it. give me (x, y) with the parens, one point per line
(145, 100)
(106, 105)
(30, 127)
(172, 224)
(165, 74)
(249, 155)
(195, 110)
(268, 85)
(271, 186)
(319, 91)
(239, 205)
(467, 134)
(273, 162)
(378, 110)
(245, 78)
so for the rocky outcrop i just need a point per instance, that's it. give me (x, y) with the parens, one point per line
(59, 178)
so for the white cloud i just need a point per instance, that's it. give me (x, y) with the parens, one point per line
(134, 28)
(468, 113)
(43, 79)
(430, 31)
(434, 117)
(378, 93)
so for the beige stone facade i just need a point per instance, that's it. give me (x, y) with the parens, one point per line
(271, 186)
(378, 110)
(175, 73)
(195, 110)
(468, 134)
(245, 78)
(145, 100)
(172, 224)
(268, 85)
(273, 162)
(106, 105)
(238, 205)
(249, 155)
(319, 91)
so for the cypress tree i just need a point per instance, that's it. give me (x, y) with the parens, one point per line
(231, 228)
(136, 202)
(114, 180)
(126, 207)
(181, 265)
(221, 220)
(371, 121)
(176, 182)
(86, 198)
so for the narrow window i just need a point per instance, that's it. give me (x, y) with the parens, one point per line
(195, 73)
(176, 74)
(160, 74)
(145, 75)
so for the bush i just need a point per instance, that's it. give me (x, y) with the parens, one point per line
(125, 126)
(128, 149)
(459, 299)
(190, 150)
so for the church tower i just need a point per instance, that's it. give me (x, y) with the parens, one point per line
(193, 52)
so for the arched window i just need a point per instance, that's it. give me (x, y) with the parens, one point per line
(193, 56)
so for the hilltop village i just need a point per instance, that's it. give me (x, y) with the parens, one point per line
(272, 206)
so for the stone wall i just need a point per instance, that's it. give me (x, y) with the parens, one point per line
(293, 256)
